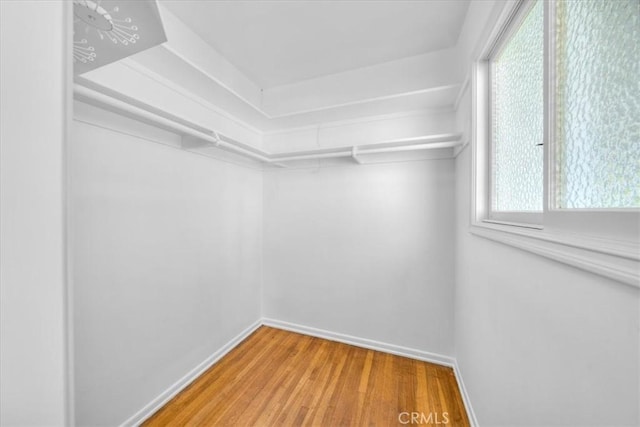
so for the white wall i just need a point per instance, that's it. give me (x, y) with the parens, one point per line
(368, 130)
(181, 38)
(539, 342)
(481, 16)
(363, 250)
(147, 87)
(167, 262)
(32, 290)
(424, 72)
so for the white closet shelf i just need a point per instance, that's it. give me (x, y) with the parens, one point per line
(195, 136)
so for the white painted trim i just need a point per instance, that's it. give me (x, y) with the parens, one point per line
(612, 259)
(270, 116)
(360, 120)
(499, 18)
(473, 420)
(318, 164)
(424, 142)
(105, 123)
(67, 234)
(103, 97)
(463, 89)
(364, 101)
(362, 342)
(148, 114)
(411, 353)
(142, 70)
(155, 141)
(460, 148)
(579, 246)
(164, 397)
(215, 80)
(439, 359)
(129, 107)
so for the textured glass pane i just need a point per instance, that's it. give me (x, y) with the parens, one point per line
(518, 117)
(598, 104)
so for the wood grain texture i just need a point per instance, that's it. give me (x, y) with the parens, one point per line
(281, 378)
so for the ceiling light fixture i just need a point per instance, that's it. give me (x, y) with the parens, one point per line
(104, 22)
(106, 31)
(82, 52)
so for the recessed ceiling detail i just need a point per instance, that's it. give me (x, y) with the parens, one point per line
(276, 43)
(191, 66)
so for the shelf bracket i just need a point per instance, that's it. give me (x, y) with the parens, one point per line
(217, 137)
(190, 142)
(354, 155)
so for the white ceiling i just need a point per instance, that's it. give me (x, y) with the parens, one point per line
(281, 42)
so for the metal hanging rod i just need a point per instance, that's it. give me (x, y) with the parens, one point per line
(173, 124)
(409, 144)
(196, 136)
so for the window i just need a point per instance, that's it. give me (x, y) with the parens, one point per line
(557, 130)
(596, 127)
(517, 119)
(597, 104)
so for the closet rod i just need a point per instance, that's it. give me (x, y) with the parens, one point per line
(147, 114)
(429, 142)
(344, 152)
(427, 146)
(98, 99)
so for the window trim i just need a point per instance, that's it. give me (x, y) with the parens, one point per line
(609, 252)
(513, 24)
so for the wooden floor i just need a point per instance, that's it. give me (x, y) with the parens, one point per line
(280, 378)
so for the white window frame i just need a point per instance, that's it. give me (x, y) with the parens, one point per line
(525, 219)
(602, 241)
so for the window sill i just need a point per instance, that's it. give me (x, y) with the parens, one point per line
(614, 259)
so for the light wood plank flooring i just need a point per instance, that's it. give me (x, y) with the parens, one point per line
(280, 378)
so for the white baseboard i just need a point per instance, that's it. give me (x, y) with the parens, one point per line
(183, 382)
(412, 353)
(363, 342)
(386, 348)
(465, 396)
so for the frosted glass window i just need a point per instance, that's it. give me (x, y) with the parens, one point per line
(518, 118)
(598, 104)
